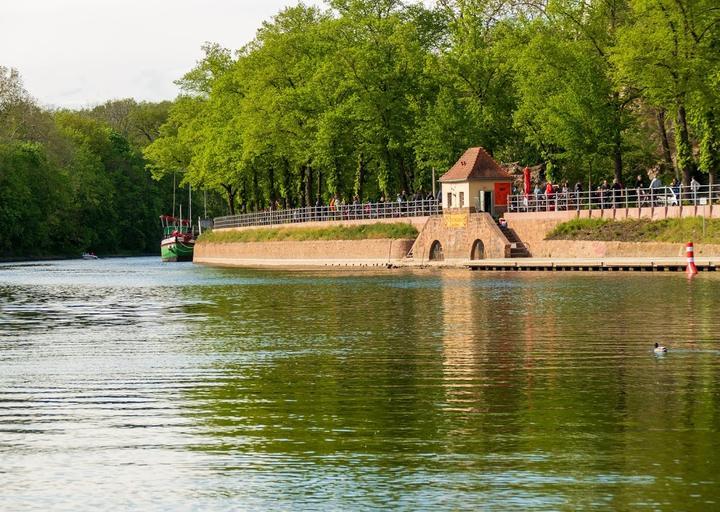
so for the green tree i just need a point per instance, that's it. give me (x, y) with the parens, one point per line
(668, 52)
(570, 106)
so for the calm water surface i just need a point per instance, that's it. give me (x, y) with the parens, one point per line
(128, 384)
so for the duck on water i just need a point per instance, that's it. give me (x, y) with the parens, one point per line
(659, 349)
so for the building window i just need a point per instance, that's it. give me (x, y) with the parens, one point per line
(449, 201)
(462, 199)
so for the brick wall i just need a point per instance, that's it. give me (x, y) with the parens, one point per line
(532, 227)
(316, 252)
(456, 231)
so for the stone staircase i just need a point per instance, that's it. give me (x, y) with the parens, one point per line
(517, 248)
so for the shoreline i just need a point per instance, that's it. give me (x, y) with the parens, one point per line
(31, 259)
(637, 264)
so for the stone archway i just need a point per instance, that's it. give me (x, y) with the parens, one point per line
(477, 252)
(436, 251)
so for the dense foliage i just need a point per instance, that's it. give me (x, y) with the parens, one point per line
(366, 97)
(76, 181)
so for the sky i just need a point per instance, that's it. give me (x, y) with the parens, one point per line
(80, 53)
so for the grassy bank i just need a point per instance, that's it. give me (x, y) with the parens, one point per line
(364, 232)
(640, 230)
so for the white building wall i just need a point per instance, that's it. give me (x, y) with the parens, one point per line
(454, 190)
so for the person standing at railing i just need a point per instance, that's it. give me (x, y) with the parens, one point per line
(655, 186)
(675, 188)
(617, 192)
(342, 208)
(536, 196)
(355, 208)
(549, 193)
(563, 195)
(317, 209)
(603, 189)
(694, 188)
(640, 187)
(332, 206)
(578, 192)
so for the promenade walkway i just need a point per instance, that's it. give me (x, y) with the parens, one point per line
(621, 198)
(340, 212)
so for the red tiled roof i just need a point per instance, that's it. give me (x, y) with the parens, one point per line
(476, 164)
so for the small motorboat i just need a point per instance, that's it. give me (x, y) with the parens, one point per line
(89, 256)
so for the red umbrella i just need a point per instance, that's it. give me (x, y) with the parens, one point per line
(526, 181)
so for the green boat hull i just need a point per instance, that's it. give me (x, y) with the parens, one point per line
(172, 250)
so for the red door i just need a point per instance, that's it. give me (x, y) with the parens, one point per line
(502, 191)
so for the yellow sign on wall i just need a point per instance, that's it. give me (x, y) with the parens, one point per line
(455, 220)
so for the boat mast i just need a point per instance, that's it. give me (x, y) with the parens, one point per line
(190, 207)
(174, 187)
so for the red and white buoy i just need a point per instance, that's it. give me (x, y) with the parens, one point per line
(690, 252)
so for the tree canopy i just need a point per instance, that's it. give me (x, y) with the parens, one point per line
(363, 99)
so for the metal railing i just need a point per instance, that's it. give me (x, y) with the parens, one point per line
(356, 211)
(616, 198)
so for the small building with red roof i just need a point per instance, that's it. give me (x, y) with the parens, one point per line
(476, 182)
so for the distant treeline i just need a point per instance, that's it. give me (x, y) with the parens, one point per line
(74, 181)
(367, 97)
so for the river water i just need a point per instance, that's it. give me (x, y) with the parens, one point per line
(128, 384)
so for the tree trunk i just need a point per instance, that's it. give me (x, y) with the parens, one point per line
(617, 156)
(405, 179)
(667, 156)
(709, 147)
(256, 191)
(617, 138)
(318, 192)
(287, 188)
(230, 196)
(271, 185)
(684, 150)
(360, 176)
(308, 184)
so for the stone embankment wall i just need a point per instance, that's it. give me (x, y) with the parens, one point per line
(377, 252)
(533, 227)
(457, 231)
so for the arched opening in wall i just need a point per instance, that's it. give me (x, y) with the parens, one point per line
(478, 250)
(436, 251)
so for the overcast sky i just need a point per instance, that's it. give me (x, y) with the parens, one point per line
(76, 53)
